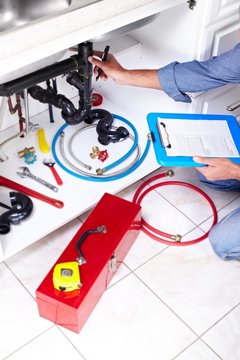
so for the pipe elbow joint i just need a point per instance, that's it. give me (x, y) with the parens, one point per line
(73, 78)
(22, 207)
(68, 109)
(76, 118)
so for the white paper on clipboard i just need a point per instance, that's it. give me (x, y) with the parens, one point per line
(197, 137)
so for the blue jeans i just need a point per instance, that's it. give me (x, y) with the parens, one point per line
(225, 235)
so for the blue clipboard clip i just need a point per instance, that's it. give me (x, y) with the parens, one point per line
(163, 129)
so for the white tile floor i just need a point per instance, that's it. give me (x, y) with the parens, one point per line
(164, 303)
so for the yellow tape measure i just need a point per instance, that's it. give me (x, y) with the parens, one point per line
(66, 276)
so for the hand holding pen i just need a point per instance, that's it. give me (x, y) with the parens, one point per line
(106, 66)
(104, 58)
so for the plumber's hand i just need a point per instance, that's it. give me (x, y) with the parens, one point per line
(218, 168)
(111, 67)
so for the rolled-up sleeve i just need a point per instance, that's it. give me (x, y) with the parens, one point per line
(166, 77)
(177, 79)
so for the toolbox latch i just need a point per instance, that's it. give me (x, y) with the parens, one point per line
(112, 263)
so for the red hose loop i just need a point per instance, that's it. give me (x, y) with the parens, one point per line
(156, 233)
(146, 182)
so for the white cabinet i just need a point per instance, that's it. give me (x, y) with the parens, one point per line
(226, 38)
(218, 19)
(219, 32)
(218, 101)
(217, 10)
(219, 37)
(177, 34)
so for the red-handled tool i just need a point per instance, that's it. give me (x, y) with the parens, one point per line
(51, 164)
(15, 186)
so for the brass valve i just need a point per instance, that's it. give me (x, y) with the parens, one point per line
(95, 152)
(26, 151)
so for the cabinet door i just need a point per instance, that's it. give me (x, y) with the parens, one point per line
(219, 101)
(219, 9)
(220, 37)
(226, 38)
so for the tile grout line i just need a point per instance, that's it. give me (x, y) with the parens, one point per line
(206, 344)
(28, 342)
(220, 209)
(198, 225)
(189, 346)
(221, 318)
(131, 271)
(193, 222)
(163, 302)
(19, 281)
(198, 336)
(209, 217)
(67, 338)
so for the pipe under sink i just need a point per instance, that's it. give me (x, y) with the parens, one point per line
(16, 14)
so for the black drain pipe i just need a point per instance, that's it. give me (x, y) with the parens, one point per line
(81, 79)
(85, 72)
(39, 76)
(60, 101)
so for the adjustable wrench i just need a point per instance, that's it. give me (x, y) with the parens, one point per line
(25, 172)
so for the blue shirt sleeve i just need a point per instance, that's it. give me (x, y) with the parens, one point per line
(177, 79)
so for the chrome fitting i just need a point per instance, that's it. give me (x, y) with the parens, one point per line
(102, 229)
(81, 260)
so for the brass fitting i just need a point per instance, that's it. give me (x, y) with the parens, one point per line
(177, 237)
(170, 172)
(99, 171)
(95, 152)
(26, 151)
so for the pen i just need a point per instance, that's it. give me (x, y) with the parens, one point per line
(104, 58)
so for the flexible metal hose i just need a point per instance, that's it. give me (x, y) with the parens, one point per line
(71, 165)
(101, 178)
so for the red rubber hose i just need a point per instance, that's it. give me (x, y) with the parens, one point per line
(156, 233)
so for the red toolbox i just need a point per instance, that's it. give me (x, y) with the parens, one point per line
(103, 252)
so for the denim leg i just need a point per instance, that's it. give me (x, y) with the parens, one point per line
(223, 185)
(225, 236)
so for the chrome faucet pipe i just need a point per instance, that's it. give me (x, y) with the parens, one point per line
(27, 120)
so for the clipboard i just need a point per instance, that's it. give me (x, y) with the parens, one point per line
(161, 148)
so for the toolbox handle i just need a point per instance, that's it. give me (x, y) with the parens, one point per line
(81, 259)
